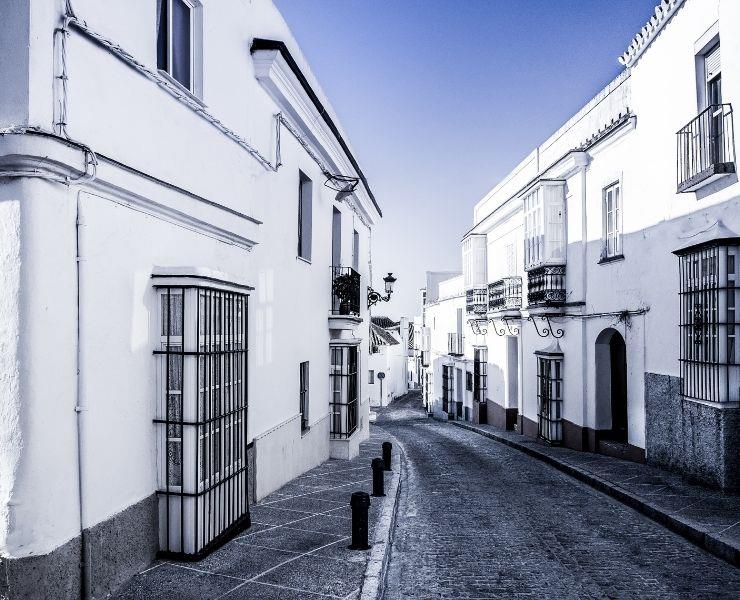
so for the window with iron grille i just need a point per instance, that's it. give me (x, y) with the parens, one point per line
(612, 217)
(550, 397)
(343, 379)
(303, 394)
(468, 381)
(480, 374)
(447, 387)
(709, 327)
(371, 377)
(201, 418)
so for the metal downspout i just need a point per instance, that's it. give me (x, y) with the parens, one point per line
(80, 409)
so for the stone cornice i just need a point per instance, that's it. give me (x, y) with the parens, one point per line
(663, 12)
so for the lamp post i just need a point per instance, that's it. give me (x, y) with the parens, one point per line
(374, 297)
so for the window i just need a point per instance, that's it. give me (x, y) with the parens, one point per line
(713, 76)
(550, 395)
(177, 43)
(305, 215)
(303, 395)
(544, 224)
(468, 381)
(371, 377)
(201, 416)
(612, 217)
(343, 386)
(447, 388)
(709, 299)
(355, 251)
(480, 374)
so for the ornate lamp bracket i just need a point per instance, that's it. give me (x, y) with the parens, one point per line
(374, 297)
(546, 331)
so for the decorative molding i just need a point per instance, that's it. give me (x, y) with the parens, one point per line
(198, 277)
(275, 73)
(663, 12)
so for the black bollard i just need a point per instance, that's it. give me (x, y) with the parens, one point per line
(378, 477)
(387, 447)
(359, 502)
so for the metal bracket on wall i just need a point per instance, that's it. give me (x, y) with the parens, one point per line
(506, 322)
(478, 326)
(546, 331)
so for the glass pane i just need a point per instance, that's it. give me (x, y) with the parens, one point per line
(162, 36)
(181, 42)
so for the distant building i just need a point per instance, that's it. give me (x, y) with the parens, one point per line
(600, 277)
(388, 360)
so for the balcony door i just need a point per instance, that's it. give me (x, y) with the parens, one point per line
(336, 238)
(713, 75)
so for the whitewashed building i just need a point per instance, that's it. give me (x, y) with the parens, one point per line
(600, 276)
(184, 249)
(388, 363)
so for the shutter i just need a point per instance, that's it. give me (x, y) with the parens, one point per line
(712, 65)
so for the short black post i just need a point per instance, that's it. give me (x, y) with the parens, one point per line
(359, 502)
(378, 477)
(387, 447)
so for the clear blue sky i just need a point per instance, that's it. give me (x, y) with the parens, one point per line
(441, 98)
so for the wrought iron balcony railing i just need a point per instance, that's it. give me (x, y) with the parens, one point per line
(475, 301)
(546, 286)
(505, 294)
(705, 148)
(345, 291)
(455, 344)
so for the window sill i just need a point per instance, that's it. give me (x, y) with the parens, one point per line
(181, 88)
(305, 260)
(610, 259)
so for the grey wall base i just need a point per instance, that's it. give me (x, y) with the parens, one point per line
(53, 575)
(118, 548)
(699, 440)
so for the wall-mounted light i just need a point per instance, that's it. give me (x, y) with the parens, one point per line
(374, 297)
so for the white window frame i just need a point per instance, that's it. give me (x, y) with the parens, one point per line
(196, 47)
(611, 226)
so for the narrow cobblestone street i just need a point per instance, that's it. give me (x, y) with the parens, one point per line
(478, 519)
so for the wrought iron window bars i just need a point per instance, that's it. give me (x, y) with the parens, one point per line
(201, 419)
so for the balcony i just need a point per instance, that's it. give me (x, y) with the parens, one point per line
(475, 302)
(546, 286)
(425, 358)
(345, 291)
(455, 344)
(706, 149)
(505, 295)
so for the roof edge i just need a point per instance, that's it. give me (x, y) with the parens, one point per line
(266, 44)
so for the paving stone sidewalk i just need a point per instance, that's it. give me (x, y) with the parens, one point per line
(295, 548)
(707, 517)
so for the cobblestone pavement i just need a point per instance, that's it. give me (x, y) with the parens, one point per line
(478, 519)
(296, 547)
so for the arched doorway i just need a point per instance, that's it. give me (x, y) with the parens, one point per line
(611, 386)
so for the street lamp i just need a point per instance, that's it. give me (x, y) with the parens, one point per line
(374, 297)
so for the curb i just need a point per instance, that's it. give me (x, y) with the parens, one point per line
(373, 582)
(684, 528)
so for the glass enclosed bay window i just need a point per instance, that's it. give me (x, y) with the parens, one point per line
(343, 405)
(709, 299)
(201, 416)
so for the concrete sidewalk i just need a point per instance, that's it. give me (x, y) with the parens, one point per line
(296, 546)
(704, 516)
